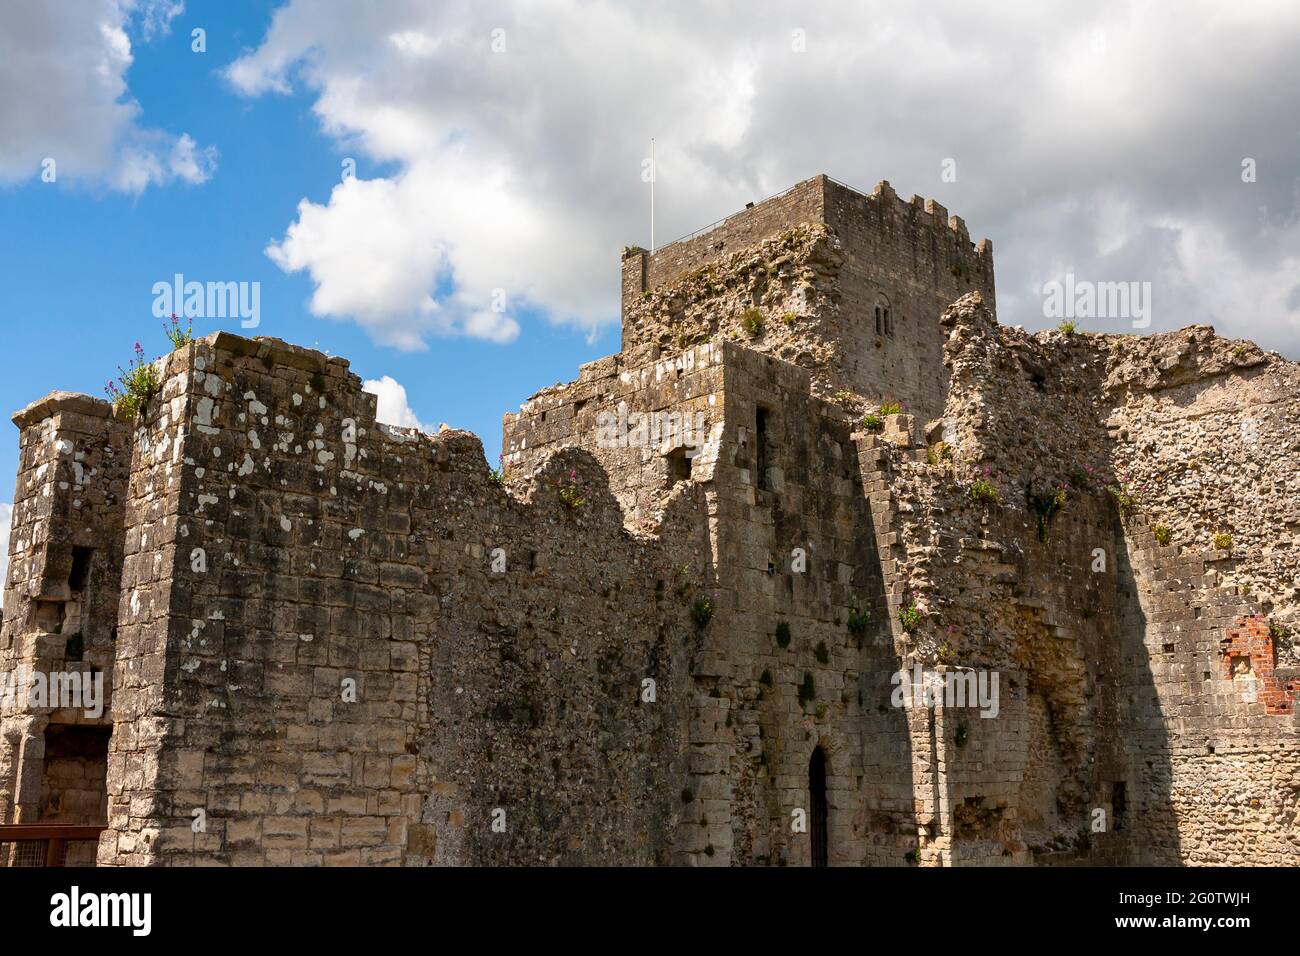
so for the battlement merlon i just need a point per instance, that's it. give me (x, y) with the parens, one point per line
(56, 403)
(819, 199)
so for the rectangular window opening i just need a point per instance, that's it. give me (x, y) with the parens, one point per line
(80, 572)
(761, 450)
(679, 466)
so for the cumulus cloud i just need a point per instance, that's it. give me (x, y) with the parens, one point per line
(1103, 139)
(64, 97)
(394, 409)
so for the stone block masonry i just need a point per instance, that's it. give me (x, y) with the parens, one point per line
(847, 285)
(674, 629)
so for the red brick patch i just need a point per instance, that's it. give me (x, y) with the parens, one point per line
(1249, 638)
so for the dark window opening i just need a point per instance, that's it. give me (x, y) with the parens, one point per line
(679, 466)
(884, 316)
(817, 806)
(80, 572)
(1119, 803)
(761, 445)
(74, 648)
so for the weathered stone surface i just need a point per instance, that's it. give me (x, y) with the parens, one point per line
(709, 559)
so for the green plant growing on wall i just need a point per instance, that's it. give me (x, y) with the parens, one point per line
(891, 408)
(873, 423)
(571, 492)
(940, 451)
(1044, 505)
(498, 475)
(1163, 534)
(822, 654)
(1222, 542)
(984, 491)
(857, 623)
(790, 318)
(807, 690)
(1278, 631)
(136, 386)
(909, 617)
(702, 612)
(782, 634)
(1126, 499)
(1067, 326)
(751, 320)
(178, 337)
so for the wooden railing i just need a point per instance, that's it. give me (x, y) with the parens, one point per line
(44, 844)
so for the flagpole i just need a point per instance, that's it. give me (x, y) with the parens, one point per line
(652, 195)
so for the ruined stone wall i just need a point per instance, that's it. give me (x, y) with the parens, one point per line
(332, 670)
(61, 597)
(1205, 442)
(1163, 707)
(781, 670)
(652, 425)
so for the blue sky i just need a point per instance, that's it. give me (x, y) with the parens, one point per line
(80, 258)
(499, 148)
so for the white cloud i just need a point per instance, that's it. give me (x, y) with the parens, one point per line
(1104, 140)
(156, 16)
(394, 409)
(6, 521)
(64, 97)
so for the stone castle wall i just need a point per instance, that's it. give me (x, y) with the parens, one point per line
(703, 570)
(315, 651)
(1168, 688)
(781, 669)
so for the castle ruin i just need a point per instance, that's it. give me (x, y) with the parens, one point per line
(712, 612)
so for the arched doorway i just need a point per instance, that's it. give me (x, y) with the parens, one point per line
(817, 806)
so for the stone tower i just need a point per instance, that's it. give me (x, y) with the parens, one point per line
(847, 285)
